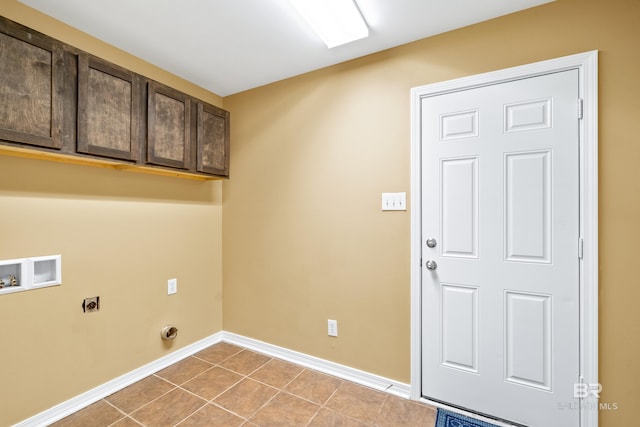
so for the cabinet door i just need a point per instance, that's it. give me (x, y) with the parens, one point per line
(31, 86)
(108, 110)
(168, 127)
(212, 140)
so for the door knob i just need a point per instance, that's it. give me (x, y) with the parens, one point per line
(431, 243)
(431, 265)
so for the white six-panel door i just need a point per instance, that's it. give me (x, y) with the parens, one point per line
(500, 183)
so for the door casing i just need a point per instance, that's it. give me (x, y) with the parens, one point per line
(587, 66)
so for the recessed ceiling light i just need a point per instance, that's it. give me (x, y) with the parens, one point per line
(336, 21)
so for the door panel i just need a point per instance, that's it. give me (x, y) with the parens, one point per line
(459, 335)
(528, 327)
(528, 115)
(459, 125)
(528, 206)
(500, 184)
(459, 207)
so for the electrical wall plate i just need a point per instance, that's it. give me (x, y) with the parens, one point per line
(394, 201)
(172, 286)
(332, 328)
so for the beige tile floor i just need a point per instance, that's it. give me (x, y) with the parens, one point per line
(226, 385)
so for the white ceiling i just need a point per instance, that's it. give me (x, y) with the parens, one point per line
(228, 46)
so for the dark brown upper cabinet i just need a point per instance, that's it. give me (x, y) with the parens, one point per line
(168, 127)
(61, 103)
(31, 86)
(212, 142)
(109, 110)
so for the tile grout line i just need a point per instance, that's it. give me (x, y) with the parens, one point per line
(192, 413)
(195, 395)
(248, 377)
(279, 390)
(283, 390)
(155, 374)
(146, 404)
(125, 415)
(243, 377)
(211, 401)
(129, 418)
(384, 402)
(322, 405)
(229, 411)
(221, 361)
(129, 414)
(370, 424)
(263, 405)
(255, 352)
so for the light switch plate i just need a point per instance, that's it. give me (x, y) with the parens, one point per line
(394, 201)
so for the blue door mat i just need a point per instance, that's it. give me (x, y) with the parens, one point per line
(451, 419)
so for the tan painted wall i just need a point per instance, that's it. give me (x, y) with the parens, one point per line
(121, 236)
(304, 238)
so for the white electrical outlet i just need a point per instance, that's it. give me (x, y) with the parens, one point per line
(172, 286)
(332, 329)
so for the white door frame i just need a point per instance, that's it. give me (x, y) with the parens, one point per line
(587, 65)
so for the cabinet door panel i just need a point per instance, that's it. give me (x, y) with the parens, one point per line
(108, 110)
(31, 83)
(213, 140)
(168, 127)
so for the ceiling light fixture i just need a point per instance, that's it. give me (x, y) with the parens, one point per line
(336, 21)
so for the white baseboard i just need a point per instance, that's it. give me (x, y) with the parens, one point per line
(337, 370)
(83, 400)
